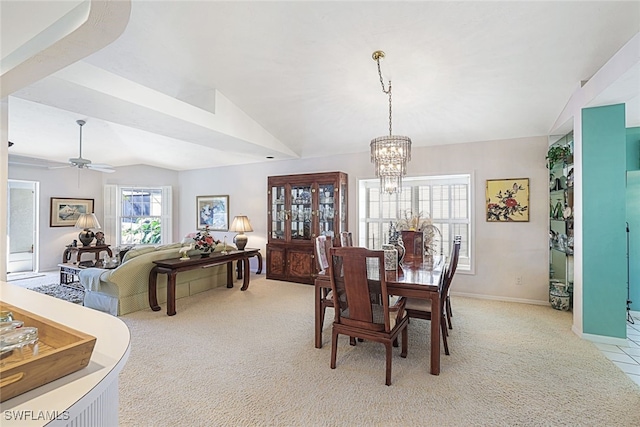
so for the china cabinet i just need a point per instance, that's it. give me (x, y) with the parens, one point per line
(560, 162)
(299, 208)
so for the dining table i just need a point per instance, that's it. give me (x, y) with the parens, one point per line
(413, 278)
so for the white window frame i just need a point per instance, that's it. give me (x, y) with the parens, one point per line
(410, 187)
(113, 212)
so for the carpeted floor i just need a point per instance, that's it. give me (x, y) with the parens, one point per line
(67, 293)
(247, 359)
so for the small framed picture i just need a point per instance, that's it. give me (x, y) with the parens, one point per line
(212, 211)
(65, 212)
(508, 200)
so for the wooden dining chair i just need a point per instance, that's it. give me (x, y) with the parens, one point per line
(456, 239)
(346, 238)
(358, 285)
(421, 308)
(321, 247)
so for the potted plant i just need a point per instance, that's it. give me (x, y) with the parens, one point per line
(556, 154)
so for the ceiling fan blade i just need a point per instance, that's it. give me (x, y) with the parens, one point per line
(100, 167)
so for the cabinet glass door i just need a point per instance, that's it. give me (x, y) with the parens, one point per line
(326, 210)
(278, 213)
(301, 212)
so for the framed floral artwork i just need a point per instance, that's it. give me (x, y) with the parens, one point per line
(212, 211)
(65, 212)
(508, 200)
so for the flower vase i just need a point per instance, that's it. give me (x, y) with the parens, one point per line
(205, 255)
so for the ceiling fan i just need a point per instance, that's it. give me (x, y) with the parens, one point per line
(82, 163)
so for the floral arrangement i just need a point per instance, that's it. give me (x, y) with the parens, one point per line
(413, 222)
(204, 241)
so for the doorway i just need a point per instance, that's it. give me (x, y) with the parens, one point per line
(22, 226)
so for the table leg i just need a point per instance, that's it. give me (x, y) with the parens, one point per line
(171, 293)
(153, 296)
(259, 255)
(318, 321)
(240, 264)
(245, 283)
(435, 334)
(230, 274)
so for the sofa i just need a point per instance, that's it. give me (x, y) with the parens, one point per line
(125, 289)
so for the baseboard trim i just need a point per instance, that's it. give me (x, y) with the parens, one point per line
(497, 298)
(601, 339)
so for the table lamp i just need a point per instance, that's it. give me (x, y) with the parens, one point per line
(240, 224)
(87, 221)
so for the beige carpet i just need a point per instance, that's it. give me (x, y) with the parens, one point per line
(231, 358)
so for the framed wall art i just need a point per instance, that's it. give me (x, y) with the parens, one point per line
(65, 212)
(212, 211)
(507, 200)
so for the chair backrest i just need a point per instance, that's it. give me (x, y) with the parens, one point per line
(321, 246)
(359, 285)
(450, 271)
(455, 255)
(346, 238)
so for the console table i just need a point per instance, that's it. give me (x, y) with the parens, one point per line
(79, 250)
(171, 267)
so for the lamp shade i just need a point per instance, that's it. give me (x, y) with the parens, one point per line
(240, 224)
(87, 221)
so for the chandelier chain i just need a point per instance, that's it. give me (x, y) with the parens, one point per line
(387, 91)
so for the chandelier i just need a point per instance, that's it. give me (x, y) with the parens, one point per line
(389, 154)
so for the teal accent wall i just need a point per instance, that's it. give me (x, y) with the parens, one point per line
(604, 287)
(633, 214)
(633, 149)
(633, 218)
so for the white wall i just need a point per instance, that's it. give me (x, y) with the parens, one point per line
(503, 251)
(66, 182)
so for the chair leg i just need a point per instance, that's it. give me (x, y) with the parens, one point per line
(444, 335)
(334, 348)
(388, 374)
(352, 340)
(405, 342)
(449, 313)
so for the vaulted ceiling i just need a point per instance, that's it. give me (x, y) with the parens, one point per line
(187, 85)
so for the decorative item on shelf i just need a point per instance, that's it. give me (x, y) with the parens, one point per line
(570, 178)
(224, 246)
(557, 211)
(390, 154)
(100, 238)
(87, 221)
(559, 297)
(556, 154)
(241, 225)
(204, 242)
(184, 250)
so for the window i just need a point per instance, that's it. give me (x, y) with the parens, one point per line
(138, 215)
(445, 199)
